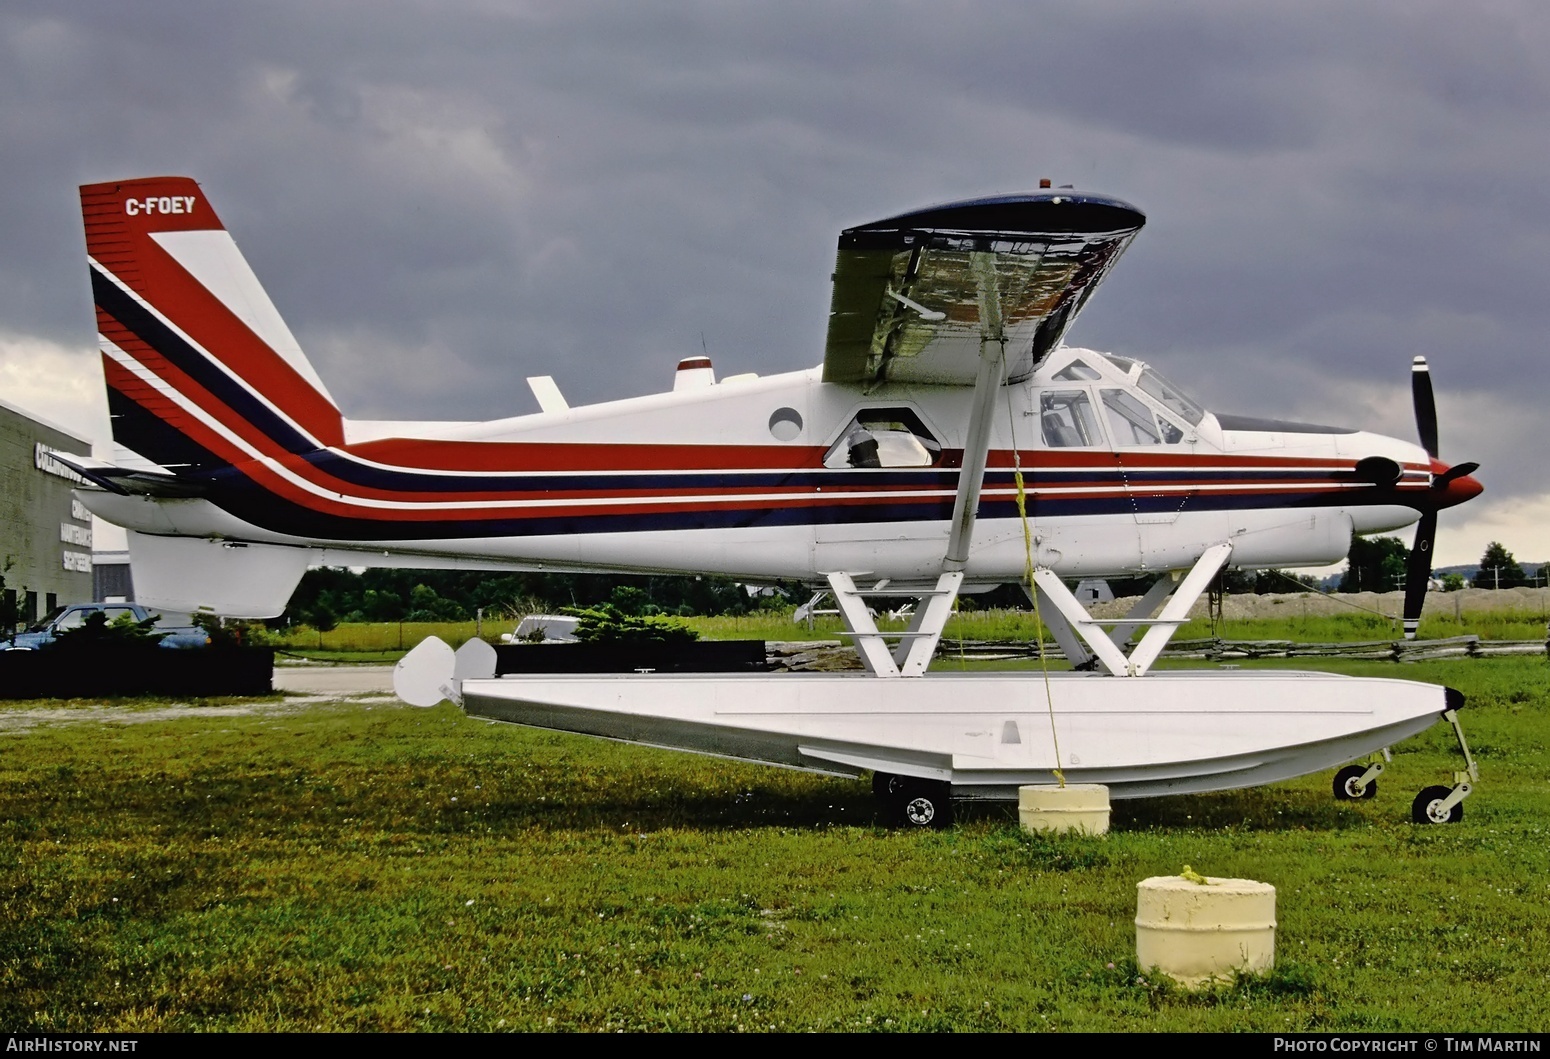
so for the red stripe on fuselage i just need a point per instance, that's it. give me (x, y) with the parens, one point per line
(1108, 460)
(433, 455)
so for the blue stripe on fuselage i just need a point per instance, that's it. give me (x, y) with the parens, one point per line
(346, 468)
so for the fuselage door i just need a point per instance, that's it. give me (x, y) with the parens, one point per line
(1146, 444)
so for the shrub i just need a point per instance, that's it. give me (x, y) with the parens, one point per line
(606, 624)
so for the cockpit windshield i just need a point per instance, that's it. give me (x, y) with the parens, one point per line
(1170, 396)
(1151, 382)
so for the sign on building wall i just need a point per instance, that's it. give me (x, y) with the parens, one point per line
(43, 459)
(45, 533)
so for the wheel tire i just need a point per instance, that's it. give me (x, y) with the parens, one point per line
(1423, 809)
(922, 804)
(1345, 785)
(885, 785)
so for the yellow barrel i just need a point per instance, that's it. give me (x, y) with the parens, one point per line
(1201, 933)
(1079, 807)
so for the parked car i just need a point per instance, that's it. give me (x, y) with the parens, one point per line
(543, 628)
(74, 615)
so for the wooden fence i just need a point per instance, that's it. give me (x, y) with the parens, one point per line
(1216, 648)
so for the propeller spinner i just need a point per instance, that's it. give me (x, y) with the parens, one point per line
(1418, 572)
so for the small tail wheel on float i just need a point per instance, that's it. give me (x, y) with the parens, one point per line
(914, 803)
(1349, 786)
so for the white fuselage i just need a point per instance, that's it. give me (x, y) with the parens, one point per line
(750, 477)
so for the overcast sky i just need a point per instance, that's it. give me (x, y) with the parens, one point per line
(445, 197)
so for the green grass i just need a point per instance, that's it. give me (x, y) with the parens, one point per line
(347, 657)
(1020, 625)
(365, 866)
(1360, 625)
(386, 641)
(386, 638)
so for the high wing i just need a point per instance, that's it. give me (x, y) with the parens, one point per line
(907, 297)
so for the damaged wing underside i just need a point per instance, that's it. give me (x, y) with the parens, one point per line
(906, 302)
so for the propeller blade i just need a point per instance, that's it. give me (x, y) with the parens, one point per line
(1418, 572)
(1456, 471)
(1425, 405)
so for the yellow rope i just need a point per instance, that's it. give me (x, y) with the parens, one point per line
(1022, 514)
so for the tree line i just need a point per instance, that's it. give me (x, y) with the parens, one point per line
(330, 595)
(1378, 564)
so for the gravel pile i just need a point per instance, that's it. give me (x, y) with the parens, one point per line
(1298, 604)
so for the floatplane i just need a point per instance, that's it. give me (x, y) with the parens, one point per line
(948, 443)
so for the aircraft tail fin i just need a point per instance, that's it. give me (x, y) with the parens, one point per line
(202, 372)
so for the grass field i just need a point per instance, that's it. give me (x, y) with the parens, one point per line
(362, 865)
(384, 640)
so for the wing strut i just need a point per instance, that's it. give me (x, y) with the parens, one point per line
(976, 443)
(1068, 620)
(918, 643)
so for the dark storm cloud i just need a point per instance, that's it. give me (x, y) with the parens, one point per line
(443, 198)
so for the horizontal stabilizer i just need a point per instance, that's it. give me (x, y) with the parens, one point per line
(126, 481)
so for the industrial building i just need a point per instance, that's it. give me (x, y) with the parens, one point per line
(45, 533)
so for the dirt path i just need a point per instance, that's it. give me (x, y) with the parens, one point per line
(304, 686)
(15, 722)
(333, 680)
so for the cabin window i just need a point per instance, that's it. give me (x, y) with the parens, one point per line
(1068, 420)
(785, 424)
(884, 437)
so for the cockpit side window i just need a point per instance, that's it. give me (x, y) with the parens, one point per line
(1068, 420)
(884, 437)
(1133, 423)
(1130, 421)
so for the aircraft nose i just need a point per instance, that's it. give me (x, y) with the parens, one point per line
(1454, 491)
(1463, 488)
